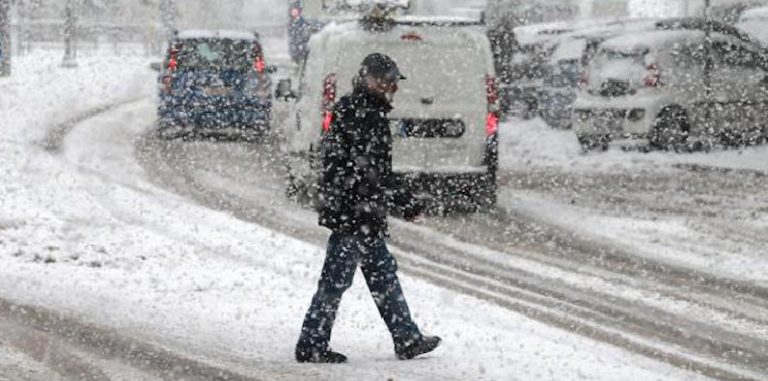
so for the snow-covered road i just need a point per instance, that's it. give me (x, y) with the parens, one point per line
(92, 234)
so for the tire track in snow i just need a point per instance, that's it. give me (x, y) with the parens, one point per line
(637, 327)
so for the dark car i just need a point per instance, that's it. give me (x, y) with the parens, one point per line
(215, 83)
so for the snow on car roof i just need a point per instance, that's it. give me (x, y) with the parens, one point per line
(538, 33)
(229, 34)
(613, 28)
(352, 33)
(639, 41)
(571, 49)
(755, 14)
(353, 27)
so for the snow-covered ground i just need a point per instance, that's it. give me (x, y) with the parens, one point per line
(533, 144)
(84, 232)
(683, 239)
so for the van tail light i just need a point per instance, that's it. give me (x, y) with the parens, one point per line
(173, 63)
(652, 76)
(329, 98)
(492, 92)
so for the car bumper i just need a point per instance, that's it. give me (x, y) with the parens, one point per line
(618, 118)
(217, 120)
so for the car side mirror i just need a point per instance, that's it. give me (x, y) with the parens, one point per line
(271, 69)
(156, 66)
(284, 91)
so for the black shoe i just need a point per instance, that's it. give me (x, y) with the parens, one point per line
(317, 357)
(425, 345)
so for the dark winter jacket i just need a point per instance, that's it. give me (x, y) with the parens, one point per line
(357, 188)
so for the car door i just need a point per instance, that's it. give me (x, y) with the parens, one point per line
(737, 83)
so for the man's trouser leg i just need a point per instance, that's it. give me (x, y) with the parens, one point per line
(341, 259)
(380, 271)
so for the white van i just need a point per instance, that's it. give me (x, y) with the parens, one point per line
(445, 116)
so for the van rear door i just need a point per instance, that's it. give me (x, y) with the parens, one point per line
(438, 122)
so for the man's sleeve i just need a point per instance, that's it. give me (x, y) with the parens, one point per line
(336, 170)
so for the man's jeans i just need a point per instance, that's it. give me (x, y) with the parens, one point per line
(344, 253)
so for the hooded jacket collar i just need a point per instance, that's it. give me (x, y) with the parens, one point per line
(368, 99)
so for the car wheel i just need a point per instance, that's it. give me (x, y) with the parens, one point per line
(670, 130)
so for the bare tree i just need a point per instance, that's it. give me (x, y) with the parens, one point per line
(5, 38)
(70, 25)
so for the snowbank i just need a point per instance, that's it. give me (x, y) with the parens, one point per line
(533, 144)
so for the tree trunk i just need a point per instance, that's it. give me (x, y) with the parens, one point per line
(5, 38)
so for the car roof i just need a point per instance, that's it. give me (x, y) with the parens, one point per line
(654, 38)
(351, 31)
(703, 24)
(227, 34)
(760, 13)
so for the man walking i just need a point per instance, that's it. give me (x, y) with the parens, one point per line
(357, 190)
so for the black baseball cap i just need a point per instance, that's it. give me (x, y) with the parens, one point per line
(381, 66)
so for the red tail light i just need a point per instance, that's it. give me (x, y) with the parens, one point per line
(329, 98)
(173, 63)
(259, 64)
(652, 77)
(492, 92)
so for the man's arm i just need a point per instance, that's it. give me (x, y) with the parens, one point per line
(336, 174)
(404, 204)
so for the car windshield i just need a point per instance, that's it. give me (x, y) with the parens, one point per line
(214, 53)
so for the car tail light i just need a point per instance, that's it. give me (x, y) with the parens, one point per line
(492, 92)
(329, 98)
(652, 76)
(173, 63)
(259, 64)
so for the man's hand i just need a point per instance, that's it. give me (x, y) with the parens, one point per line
(417, 219)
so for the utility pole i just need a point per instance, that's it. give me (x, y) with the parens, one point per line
(5, 38)
(70, 25)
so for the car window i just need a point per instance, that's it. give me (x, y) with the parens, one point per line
(562, 74)
(689, 55)
(214, 53)
(734, 54)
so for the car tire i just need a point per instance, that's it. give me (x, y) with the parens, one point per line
(670, 129)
